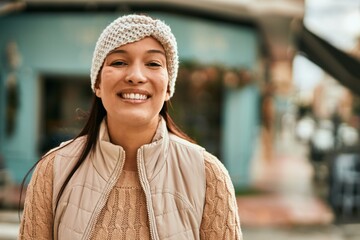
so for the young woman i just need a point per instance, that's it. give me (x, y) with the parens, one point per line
(131, 173)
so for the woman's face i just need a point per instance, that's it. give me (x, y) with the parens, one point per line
(133, 82)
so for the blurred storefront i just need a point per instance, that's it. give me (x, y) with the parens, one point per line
(46, 55)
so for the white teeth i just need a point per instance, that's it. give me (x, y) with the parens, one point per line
(134, 96)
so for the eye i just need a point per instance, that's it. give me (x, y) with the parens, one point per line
(154, 64)
(118, 63)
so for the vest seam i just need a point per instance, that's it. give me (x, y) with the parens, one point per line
(72, 204)
(154, 177)
(96, 170)
(177, 140)
(178, 196)
(84, 185)
(69, 227)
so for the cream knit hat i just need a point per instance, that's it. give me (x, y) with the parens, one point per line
(132, 28)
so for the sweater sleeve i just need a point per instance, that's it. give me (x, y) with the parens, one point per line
(37, 219)
(220, 217)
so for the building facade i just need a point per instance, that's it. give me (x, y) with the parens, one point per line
(45, 83)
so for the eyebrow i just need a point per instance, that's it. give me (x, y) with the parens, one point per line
(156, 51)
(117, 51)
(120, 51)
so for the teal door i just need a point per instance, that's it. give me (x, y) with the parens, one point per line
(240, 130)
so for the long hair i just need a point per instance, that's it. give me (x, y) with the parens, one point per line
(90, 129)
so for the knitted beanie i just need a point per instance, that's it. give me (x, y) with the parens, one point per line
(132, 28)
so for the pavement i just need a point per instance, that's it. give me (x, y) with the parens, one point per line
(326, 232)
(9, 224)
(288, 205)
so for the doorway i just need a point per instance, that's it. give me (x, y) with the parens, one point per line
(65, 103)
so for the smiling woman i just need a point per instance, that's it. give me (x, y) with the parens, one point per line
(133, 86)
(131, 172)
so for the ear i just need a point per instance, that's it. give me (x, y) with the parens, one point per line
(97, 87)
(167, 94)
(98, 92)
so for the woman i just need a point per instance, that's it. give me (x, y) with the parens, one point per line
(131, 173)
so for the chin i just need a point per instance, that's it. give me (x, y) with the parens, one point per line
(137, 119)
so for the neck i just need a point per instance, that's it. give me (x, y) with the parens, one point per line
(131, 138)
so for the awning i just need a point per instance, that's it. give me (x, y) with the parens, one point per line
(340, 65)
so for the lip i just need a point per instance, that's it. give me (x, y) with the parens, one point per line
(133, 91)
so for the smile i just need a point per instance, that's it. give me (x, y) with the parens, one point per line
(134, 96)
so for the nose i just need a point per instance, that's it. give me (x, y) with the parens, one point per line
(135, 74)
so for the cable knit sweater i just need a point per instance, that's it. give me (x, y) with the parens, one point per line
(124, 215)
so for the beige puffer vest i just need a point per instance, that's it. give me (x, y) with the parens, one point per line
(171, 172)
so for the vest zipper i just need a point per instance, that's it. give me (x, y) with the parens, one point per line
(100, 205)
(146, 189)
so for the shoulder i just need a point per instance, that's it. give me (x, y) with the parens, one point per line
(63, 155)
(70, 148)
(178, 141)
(67, 153)
(213, 164)
(45, 164)
(216, 173)
(43, 170)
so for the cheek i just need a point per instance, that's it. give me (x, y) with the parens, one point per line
(164, 77)
(106, 73)
(108, 78)
(163, 88)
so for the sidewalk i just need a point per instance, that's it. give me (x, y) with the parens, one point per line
(329, 232)
(289, 207)
(9, 224)
(289, 198)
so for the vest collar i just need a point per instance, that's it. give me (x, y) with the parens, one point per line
(153, 155)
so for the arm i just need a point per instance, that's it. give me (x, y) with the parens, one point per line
(37, 219)
(220, 216)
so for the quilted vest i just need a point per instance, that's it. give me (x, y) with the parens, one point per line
(172, 176)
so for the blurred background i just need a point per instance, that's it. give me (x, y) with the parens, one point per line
(269, 86)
